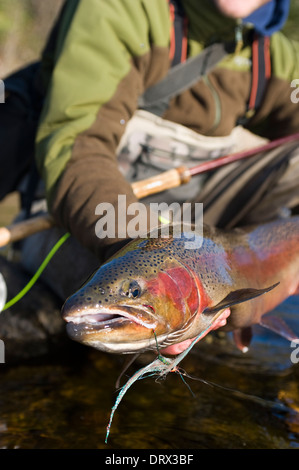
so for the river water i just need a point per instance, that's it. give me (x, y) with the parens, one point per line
(248, 401)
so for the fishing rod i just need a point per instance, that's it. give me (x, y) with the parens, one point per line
(167, 180)
(182, 175)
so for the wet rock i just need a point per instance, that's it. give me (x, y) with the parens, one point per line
(33, 326)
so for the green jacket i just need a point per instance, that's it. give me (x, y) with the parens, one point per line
(102, 57)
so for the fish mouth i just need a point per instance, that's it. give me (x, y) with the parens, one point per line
(97, 326)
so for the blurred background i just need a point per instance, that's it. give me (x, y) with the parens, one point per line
(24, 27)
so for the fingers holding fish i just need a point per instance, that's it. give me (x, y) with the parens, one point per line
(182, 346)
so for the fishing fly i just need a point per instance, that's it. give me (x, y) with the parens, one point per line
(161, 366)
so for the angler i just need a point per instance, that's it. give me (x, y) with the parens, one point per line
(157, 285)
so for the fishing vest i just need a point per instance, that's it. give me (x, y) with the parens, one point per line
(151, 145)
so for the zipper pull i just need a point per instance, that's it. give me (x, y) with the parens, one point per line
(239, 36)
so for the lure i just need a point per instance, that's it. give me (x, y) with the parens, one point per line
(161, 366)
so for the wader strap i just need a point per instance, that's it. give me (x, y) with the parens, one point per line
(184, 72)
(261, 73)
(180, 78)
(178, 35)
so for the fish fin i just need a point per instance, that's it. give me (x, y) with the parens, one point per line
(242, 338)
(279, 326)
(237, 297)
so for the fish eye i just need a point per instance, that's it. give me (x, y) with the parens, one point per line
(131, 289)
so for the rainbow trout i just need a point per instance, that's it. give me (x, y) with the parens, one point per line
(157, 291)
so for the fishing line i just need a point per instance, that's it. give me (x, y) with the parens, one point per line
(126, 367)
(162, 365)
(175, 369)
(181, 374)
(238, 394)
(42, 267)
(153, 367)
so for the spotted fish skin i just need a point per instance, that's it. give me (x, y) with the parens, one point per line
(159, 289)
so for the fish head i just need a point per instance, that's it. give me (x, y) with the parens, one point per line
(140, 298)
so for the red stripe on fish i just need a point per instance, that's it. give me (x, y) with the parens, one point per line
(165, 286)
(186, 287)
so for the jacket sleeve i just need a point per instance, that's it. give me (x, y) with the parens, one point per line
(99, 73)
